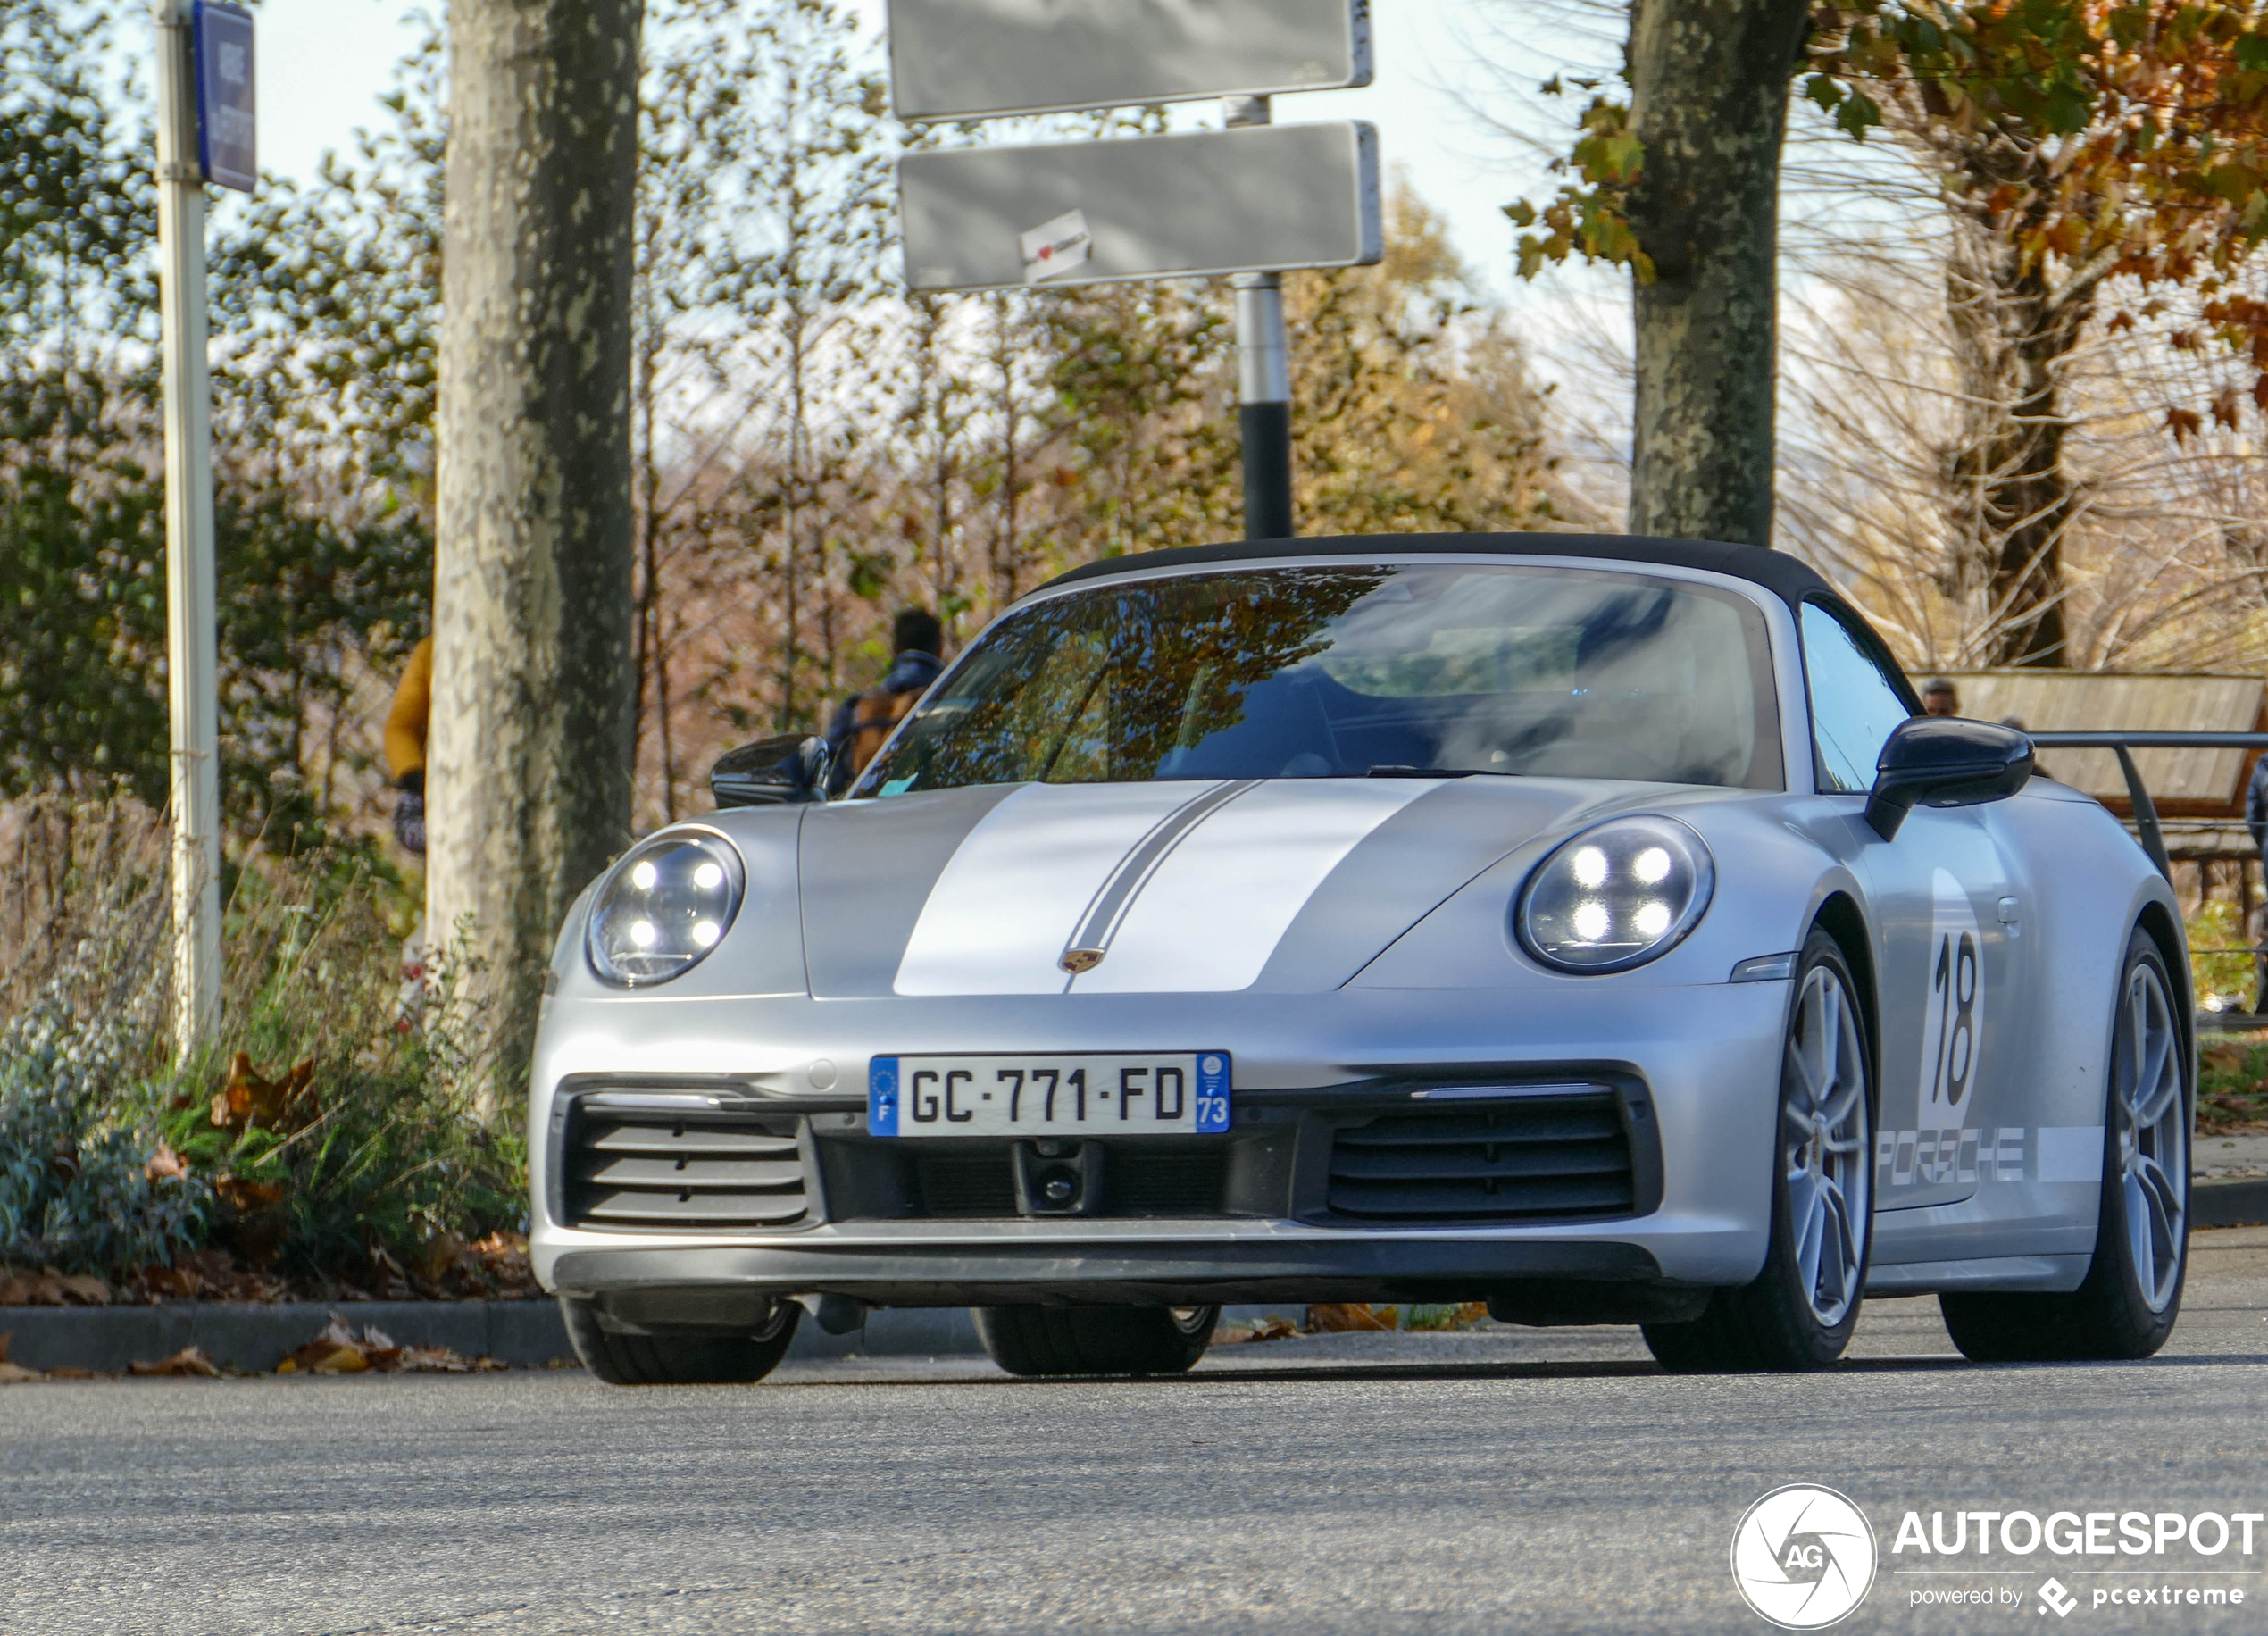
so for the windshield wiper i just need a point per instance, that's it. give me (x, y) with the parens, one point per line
(1386, 771)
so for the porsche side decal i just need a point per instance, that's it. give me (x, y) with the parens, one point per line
(2003, 1153)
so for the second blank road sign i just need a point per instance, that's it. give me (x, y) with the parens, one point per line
(975, 58)
(1256, 199)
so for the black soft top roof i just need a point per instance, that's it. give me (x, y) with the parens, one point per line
(1775, 571)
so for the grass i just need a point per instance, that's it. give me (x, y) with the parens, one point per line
(2232, 1085)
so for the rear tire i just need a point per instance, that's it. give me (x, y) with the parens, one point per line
(1052, 1340)
(2132, 1294)
(1798, 1313)
(687, 1358)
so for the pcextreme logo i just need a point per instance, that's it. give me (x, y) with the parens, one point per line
(1803, 1556)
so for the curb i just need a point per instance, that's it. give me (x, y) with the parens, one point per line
(253, 1338)
(249, 1338)
(2242, 1203)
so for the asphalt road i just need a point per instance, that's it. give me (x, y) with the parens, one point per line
(1492, 1481)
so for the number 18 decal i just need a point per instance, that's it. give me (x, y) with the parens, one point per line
(1955, 1027)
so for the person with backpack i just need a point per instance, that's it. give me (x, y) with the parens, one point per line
(406, 725)
(863, 722)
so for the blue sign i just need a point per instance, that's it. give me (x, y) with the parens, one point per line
(222, 42)
(1213, 1092)
(881, 1097)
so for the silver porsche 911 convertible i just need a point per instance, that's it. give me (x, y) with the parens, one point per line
(1589, 926)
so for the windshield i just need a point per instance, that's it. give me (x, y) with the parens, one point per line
(1352, 673)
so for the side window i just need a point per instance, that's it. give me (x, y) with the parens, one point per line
(1853, 704)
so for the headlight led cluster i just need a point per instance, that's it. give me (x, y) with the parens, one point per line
(666, 904)
(1616, 896)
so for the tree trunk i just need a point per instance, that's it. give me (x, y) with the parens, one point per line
(533, 728)
(2013, 499)
(1709, 101)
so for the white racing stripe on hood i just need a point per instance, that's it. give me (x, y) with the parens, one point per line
(1214, 913)
(997, 921)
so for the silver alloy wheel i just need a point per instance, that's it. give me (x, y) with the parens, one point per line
(2151, 1122)
(1825, 1165)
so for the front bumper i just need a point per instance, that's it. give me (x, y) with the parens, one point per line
(661, 1287)
(1695, 1070)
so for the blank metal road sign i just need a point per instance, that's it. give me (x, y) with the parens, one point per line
(976, 59)
(1259, 198)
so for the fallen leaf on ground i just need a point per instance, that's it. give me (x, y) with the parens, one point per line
(85, 1290)
(41, 1288)
(247, 1197)
(1266, 1329)
(189, 1360)
(439, 1254)
(1339, 1317)
(250, 1098)
(433, 1360)
(339, 1350)
(64, 1371)
(11, 1373)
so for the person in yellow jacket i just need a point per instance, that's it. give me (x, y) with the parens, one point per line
(406, 731)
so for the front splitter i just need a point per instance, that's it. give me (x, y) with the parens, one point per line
(1112, 1272)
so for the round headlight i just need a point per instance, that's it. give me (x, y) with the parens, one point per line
(1617, 896)
(666, 904)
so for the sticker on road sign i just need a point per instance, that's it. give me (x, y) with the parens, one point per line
(1057, 247)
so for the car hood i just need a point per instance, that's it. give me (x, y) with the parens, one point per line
(1276, 884)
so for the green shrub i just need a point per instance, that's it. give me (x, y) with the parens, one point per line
(385, 1150)
(2221, 963)
(79, 1112)
(113, 1156)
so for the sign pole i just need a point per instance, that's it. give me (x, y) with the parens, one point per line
(1263, 378)
(189, 593)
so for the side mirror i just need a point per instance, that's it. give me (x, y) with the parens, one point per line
(783, 772)
(1945, 761)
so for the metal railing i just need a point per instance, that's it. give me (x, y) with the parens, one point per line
(2123, 744)
(2148, 829)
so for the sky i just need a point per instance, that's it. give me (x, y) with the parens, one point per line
(324, 63)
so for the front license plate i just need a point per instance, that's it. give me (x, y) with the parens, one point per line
(1082, 1095)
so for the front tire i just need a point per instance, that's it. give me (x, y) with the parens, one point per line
(1053, 1340)
(2132, 1294)
(687, 1358)
(1798, 1313)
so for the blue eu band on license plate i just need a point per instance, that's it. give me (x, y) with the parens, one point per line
(1133, 1093)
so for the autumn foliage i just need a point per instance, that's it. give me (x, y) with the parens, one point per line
(2135, 138)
